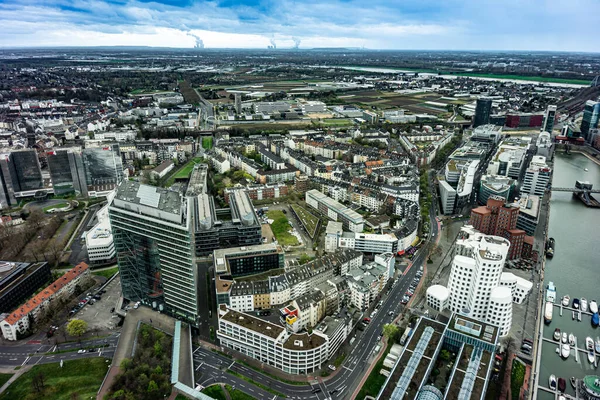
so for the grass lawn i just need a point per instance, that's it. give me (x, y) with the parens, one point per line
(308, 220)
(337, 122)
(4, 378)
(207, 143)
(59, 205)
(281, 228)
(83, 377)
(375, 381)
(184, 172)
(107, 273)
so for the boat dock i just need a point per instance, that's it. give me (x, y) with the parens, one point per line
(556, 393)
(577, 350)
(577, 311)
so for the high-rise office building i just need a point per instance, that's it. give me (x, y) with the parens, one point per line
(483, 110)
(238, 102)
(19, 172)
(66, 171)
(591, 116)
(537, 177)
(103, 168)
(25, 170)
(154, 241)
(549, 118)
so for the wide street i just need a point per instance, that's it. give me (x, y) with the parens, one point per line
(343, 383)
(38, 353)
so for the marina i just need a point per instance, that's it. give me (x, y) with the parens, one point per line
(572, 272)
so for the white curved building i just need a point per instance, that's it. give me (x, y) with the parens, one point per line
(518, 286)
(499, 310)
(437, 297)
(475, 279)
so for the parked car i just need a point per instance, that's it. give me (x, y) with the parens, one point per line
(331, 367)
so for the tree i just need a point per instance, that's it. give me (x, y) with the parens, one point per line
(445, 355)
(304, 258)
(36, 218)
(152, 386)
(77, 327)
(390, 331)
(38, 382)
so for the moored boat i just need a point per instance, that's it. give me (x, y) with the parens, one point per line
(557, 334)
(564, 337)
(576, 304)
(550, 247)
(594, 319)
(565, 351)
(573, 382)
(552, 382)
(572, 339)
(598, 345)
(566, 300)
(589, 343)
(550, 292)
(593, 306)
(591, 357)
(548, 312)
(583, 305)
(562, 384)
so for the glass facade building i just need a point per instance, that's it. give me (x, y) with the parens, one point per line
(103, 168)
(483, 110)
(155, 251)
(591, 116)
(25, 170)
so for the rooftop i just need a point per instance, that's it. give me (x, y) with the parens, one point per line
(149, 196)
(254, 324)
(46, 294)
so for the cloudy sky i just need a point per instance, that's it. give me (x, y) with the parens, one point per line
(376, 24)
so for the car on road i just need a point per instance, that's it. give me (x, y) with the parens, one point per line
(331, 367)
(316, 390)
(81, 351)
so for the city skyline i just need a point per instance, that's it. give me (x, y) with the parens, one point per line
(410, 25)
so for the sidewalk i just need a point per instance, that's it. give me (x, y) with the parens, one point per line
(14, 377)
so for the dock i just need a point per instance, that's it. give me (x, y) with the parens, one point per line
(572, 309)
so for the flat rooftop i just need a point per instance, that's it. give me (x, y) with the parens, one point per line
(254, 324)
(304, 341)
(150, 196)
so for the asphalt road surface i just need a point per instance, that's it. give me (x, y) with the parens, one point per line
(31, 354)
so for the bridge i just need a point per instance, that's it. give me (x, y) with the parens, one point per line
(574, 190)
(582, 190)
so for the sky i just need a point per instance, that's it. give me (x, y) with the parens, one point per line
(555, 25)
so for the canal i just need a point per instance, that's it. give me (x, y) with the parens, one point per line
(574, 269)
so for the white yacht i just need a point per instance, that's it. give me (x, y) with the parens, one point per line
(583, 305)
(593, 307)
(565, 351)
(566, 300)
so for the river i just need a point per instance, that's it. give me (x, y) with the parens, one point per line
(574, 268)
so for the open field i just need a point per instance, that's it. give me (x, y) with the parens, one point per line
(207, 143)
(76, 376)
(416, 102)
(308, 220)
(281, 228)
(4, 378)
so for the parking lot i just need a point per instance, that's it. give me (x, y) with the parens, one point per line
(98, 315)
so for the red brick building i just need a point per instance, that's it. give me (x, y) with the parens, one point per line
(499, 219)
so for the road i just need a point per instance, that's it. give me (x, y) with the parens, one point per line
(37, 353)
(341, 385)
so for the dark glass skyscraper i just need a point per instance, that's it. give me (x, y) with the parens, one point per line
(25, 170)
(591, 116)
(549, 118)
(483, 111)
